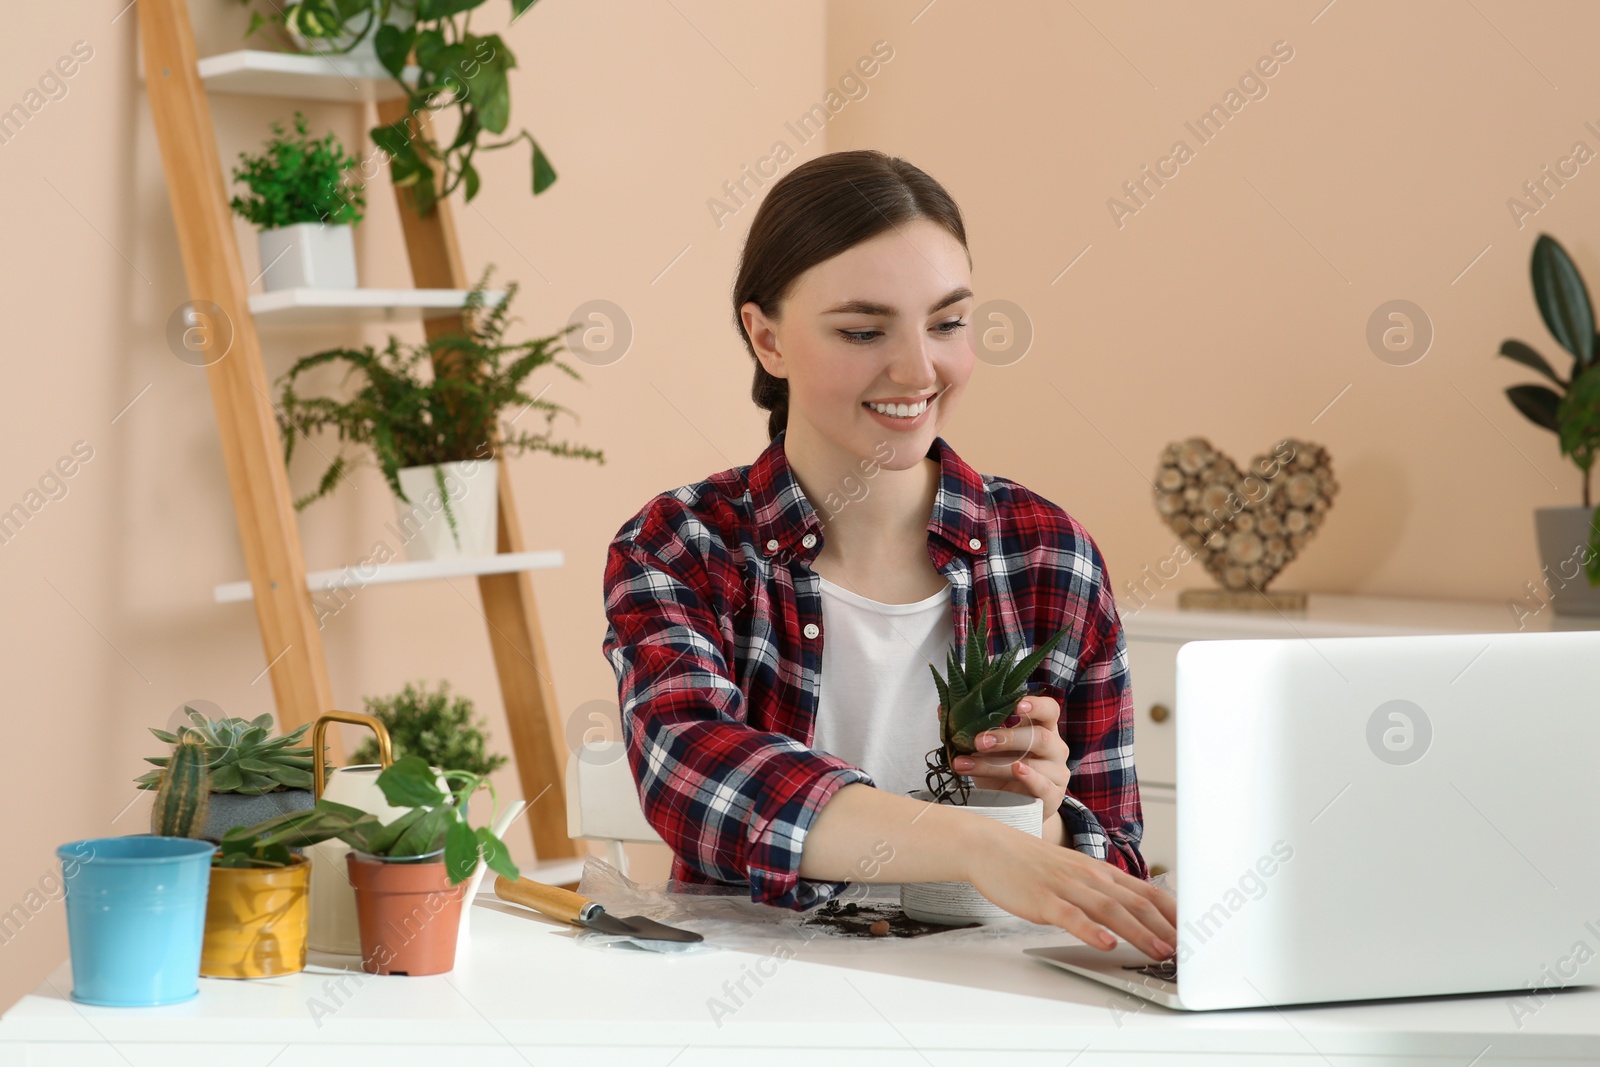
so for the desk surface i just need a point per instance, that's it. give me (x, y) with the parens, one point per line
(523, 992)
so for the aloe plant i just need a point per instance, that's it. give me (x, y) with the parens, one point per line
(979, 693)
(1571, 411)
(241, 755)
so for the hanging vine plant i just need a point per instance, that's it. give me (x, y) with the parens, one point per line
(451, 69)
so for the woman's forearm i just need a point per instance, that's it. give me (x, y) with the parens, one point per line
(863, 834)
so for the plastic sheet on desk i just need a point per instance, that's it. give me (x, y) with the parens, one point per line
(730, 919)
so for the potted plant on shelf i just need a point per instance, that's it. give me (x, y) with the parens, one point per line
(455, 70)
(304, 209)
(408, 874)
(434, 437)
(251, 775)
(257, 913)
(136, 905)
(1569, 537)
(979, 693)
(428, 723)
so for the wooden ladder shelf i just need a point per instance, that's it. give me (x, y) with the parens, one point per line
(252, 450)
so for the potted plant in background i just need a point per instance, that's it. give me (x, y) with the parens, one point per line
(257, 913)
(415, 866)
(428, 723)
(136, 905)
(304, 208)
(434, 437)
(251, 775)
(1569, 537)
(979, 693)
(455, 70)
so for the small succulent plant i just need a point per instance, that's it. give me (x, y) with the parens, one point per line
(240, 754)
(978, 694)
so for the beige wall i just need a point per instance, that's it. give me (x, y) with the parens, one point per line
(1233, 305)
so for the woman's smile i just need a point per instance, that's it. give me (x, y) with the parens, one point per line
(907, 421)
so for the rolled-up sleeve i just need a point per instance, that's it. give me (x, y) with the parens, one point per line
(734, 802)
(1101, 810)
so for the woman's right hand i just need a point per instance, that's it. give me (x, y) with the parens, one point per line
(1053, 885)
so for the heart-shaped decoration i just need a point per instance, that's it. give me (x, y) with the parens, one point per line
(1245, 528)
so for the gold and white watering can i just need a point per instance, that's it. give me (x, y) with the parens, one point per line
(333, 901)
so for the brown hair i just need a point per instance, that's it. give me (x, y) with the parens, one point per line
(820, 209)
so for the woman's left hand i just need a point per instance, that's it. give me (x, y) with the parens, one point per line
(1028, 758)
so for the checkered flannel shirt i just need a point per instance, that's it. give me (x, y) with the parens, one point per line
(715, 634)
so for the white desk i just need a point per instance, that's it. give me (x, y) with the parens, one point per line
(522, 993)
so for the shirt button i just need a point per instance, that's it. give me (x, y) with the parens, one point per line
(974, 544)
(772, 546)
(811, 629)
(808, 540)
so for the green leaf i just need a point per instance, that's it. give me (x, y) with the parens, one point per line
(382, 839)
(1579, 419)
(469, 178)
(1563, 300)
(428, 10)
(226, 780)
(496, 855)
(162, 735)
(1521, 353)
(410, 783)
(1538, 403)
(393, 46)
(423, 836)
(544, 175)
(460, 851)
(520, 7)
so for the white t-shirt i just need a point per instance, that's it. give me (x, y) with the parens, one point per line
(879, 707)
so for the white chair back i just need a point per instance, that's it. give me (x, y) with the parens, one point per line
(603, 802)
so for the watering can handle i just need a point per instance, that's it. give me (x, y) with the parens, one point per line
(319, 779)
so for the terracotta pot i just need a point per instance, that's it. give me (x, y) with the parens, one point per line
(256, 921)
(409, 915)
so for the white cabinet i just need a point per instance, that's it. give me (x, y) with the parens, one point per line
(1154, 637)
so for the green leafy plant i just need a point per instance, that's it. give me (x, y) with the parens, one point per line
(406, 419)
(298, 179)
(184, 791)
(241, 756)
(436, 821)
(428, 723)
(1571, 411)
(455, 70)
(978, 693)
(271, 843)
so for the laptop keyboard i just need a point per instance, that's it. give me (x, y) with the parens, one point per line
(1166, 970)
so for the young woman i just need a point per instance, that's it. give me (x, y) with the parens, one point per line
(771, 626)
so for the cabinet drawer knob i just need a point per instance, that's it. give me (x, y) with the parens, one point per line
(1160, 712)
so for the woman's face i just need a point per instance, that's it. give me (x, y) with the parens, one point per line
(883, 321)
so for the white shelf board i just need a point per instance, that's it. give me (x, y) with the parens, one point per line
(356, 576)
(295, 307)
(347, 79)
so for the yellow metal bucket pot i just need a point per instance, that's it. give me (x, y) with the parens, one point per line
(256, 921)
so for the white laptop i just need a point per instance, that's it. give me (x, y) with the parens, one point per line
(1375, 817)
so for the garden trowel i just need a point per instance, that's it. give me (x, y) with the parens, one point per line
(570, 907)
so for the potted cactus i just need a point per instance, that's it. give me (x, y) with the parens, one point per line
(1569, 537)
(257, 912)
(252, 776)
(978, 693)
(416, 866)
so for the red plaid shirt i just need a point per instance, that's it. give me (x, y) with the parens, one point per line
(715, 634)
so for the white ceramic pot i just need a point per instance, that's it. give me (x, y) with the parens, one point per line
(953, 903)
(1564, 550)
(472, 492)
(308, 255)
(364, 49)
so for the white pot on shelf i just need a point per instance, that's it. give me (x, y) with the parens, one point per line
(955, 903)
(472, 492)
(1564, 534)
(363, 49)
(308, 255)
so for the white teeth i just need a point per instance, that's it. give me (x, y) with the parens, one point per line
(901, 411)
